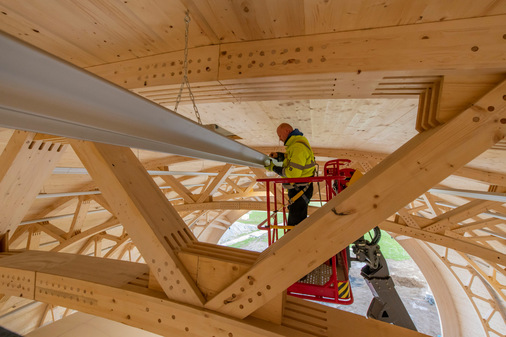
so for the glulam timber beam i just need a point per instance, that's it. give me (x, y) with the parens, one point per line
(116, 290)
(457, 243)
(493, 178)
(62, 203)
(148, 217)
(450, 219)
(312, 66)
(82, 208)
(216, 183)
(320, 321)
(179, 188)
(453, 317)
(25, 165)
(224, 205)
(407, 173)
(491, 315)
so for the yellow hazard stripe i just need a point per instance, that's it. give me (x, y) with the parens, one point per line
(356, 176)
(343, 289)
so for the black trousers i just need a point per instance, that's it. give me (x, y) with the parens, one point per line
(298, 210)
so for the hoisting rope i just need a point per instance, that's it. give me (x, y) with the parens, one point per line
(185, 72)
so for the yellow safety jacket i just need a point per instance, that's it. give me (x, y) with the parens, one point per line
(299, 161)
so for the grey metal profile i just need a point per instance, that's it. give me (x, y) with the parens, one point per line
(41, 93)
(82, 170)
(492, 196)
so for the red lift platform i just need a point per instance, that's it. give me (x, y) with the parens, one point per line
(330, 281)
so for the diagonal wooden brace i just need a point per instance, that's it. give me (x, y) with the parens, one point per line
(25, 165)
(409, 172)
(154, 225)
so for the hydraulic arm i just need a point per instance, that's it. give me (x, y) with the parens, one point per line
(386, 305)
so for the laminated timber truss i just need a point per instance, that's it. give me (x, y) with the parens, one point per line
(176, 262)
(139, 248)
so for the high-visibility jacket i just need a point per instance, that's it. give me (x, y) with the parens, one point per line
(299, 161)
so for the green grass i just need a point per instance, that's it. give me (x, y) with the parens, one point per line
(391, 249)
(389, 246)
(256, 217)
(244, 243)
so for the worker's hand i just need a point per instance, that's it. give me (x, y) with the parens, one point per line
(273, 155)
(269, 166)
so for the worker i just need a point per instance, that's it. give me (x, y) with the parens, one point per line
(298, 162)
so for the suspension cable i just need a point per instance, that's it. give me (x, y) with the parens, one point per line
(185, 72)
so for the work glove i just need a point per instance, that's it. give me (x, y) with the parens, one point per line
(279, 156)
(269, 166)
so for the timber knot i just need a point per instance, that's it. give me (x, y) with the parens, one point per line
(341, 213)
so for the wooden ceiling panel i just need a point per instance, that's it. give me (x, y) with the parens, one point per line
(334, 16)
(380, 125)
(88, 33)
(492, 160)
(234, 21)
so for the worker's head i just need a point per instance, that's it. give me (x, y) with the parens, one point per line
(284, 129)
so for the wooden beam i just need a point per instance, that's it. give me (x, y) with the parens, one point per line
(431, 204)
(51, 230)
(450, 219)
(33, 241)
(370, 50)
(25, 165)
(457, 243)
(430, 157)
(179, 188)
(246, 205)
(475, 289)
(216, 183)
(494, 178)
(153, 224)
(112, 289)
(113, 252)
(409, 219)
(474, 43)
(234, 185)
(83, 206)
(64, 246)
(320, 320)
(117, 290)
(490, 222)
(442, 284)
(241, 195)
(98, 246)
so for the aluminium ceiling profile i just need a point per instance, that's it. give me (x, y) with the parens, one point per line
(492, 196)
(41, 93)
(82, 193)
(82, 170)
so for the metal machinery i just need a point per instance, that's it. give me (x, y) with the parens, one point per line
(386, 304)
(330, 281)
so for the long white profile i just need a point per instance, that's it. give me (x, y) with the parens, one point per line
(41, 93)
